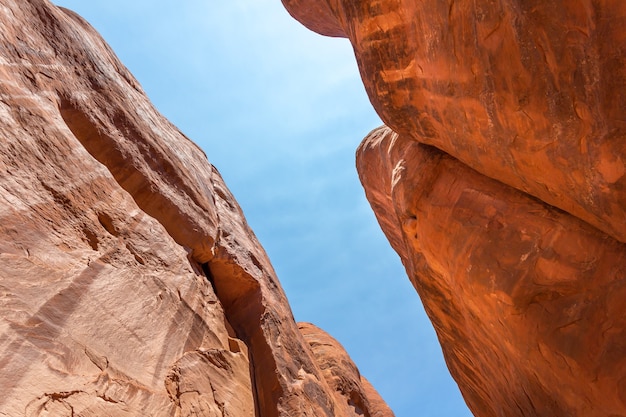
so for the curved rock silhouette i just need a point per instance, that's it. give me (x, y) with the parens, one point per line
(530, 93)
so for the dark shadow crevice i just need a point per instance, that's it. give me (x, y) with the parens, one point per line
(135, 164)
(241, 298)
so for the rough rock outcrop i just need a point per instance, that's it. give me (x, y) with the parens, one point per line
(130, 283)
(530, 93)
(527, 301)
(504, 188)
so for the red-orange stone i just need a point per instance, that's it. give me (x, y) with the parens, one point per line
(527, 300)
(130, 282)
(531, 93)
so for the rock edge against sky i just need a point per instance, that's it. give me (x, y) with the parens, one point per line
(131, 283)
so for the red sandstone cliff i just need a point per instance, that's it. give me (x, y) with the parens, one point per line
(501, 183)
(527, 301)
(529, 92)
(343, 376)
(130, 283)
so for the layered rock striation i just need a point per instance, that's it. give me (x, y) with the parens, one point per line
(501, 183)
(131, 284)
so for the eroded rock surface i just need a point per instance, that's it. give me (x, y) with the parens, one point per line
(527, 300)
(504, 188)
(530, 93)
(130, 283)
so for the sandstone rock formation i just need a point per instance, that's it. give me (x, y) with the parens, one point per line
(342, 375)
(130, 283)
(527, 301)
(530, 93)
(501, 183)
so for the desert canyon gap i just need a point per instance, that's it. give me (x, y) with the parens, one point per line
(131, 284)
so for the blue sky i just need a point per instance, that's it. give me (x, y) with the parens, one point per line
(280, 111)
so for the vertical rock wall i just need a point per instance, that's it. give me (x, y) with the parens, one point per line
(130, 283)
(527, 300)
(501, 183)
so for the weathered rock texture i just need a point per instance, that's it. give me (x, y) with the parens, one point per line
(130, 283)
(504, 188)
(528, 92)
(527, 301)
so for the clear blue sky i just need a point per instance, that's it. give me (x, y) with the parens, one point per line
(280, 111)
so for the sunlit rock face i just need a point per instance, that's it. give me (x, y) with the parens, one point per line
(130, 283)
(500, 181)
(527, 300)
(530, 93)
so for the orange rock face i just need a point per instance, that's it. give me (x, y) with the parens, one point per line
(527, 300)
(503, 188)
(530, 93)
(130, 283)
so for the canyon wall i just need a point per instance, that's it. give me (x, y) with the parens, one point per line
(130, 283)
(500, 180)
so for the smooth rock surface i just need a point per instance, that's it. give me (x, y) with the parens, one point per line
(528, 92)
(130, 283)
(527, 300)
